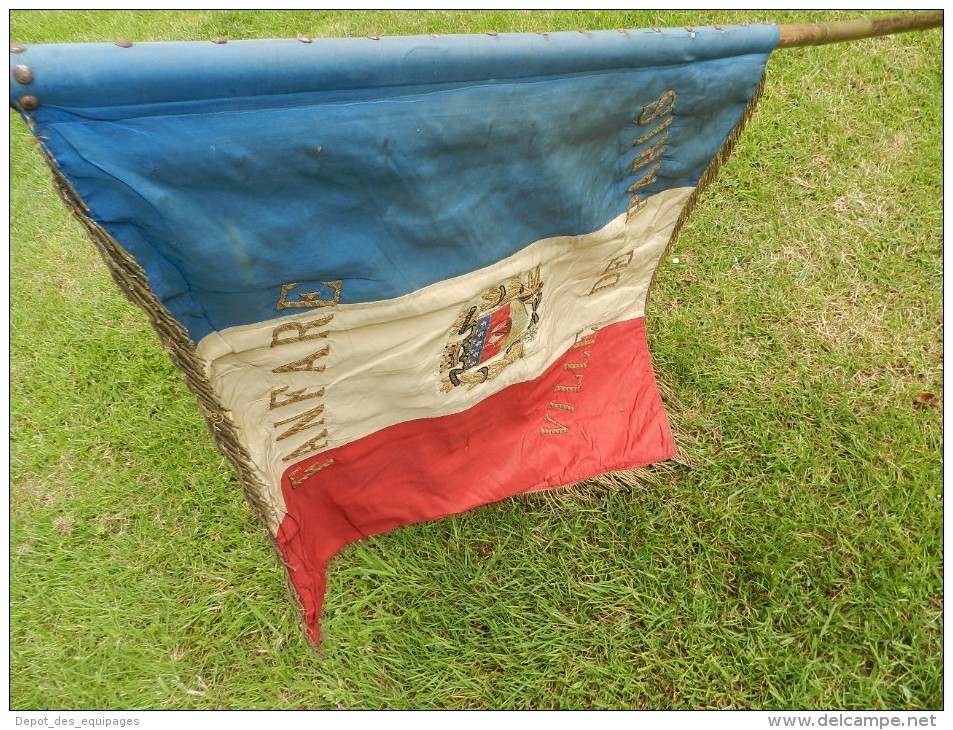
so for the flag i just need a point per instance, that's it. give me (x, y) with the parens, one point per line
(404, 277)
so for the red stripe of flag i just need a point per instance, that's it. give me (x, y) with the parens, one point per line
(596, 409)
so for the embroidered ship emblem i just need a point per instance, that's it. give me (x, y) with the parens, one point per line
(490, 335)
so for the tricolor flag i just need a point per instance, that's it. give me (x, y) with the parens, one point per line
(404, 277)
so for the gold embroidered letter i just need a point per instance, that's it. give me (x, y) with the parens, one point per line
(660, 108)
(635, 205)
(304, 422)
(605, 282)
(647, 179)
(609, 280)
(573, 388)
(620, 262)
(299, 328)
(585, 340)
(295, 396)
(305, 363)
(309, 445)
(309, 472)
(648, 135)
(308, 299)
(649, 154)
(549, 431)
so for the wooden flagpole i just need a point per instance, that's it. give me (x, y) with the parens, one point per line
(818, 34)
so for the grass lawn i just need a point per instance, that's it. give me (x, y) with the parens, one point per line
(798, 564)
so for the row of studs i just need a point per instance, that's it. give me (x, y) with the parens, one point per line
(22, 73)
(123, 43)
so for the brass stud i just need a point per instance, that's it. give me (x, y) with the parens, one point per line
(16, 48)
(220, 41)
(28, 103)
(123, 43)
(22, 74)
(304, 38)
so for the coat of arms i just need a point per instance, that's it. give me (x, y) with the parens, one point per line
(488, 336)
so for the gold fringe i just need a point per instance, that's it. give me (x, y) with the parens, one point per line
(685, 444)
(711, 172)
(131, 280)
